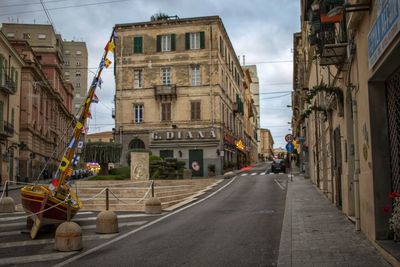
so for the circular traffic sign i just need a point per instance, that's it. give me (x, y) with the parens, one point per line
(289, 147)
(288, 138)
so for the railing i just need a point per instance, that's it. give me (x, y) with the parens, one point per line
(165, 91)
(7, 85)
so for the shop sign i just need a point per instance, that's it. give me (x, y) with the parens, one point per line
(240, 145)
(183, 135)
(384, 30)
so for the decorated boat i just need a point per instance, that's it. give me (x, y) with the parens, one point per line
(55, 203)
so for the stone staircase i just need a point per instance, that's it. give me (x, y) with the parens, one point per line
(131, 196)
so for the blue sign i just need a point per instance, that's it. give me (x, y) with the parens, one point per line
(384, 30)
(289, 147)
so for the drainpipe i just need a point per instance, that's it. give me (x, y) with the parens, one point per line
(356, 165)
(211, 66)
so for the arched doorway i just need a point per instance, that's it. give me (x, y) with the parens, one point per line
(137, 143)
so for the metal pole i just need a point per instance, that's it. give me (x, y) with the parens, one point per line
(152, 189)
(6, 188)
(69, 211)
(107, 204)
(290, 162)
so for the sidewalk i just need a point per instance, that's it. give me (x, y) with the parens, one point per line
(315, 233)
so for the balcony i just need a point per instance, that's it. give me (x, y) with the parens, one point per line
(165, 92)
(7, 85)
(328, 31)
(6, 130)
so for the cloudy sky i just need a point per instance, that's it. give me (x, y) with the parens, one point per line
(262, 30)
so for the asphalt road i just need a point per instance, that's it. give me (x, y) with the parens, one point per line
(238, 226)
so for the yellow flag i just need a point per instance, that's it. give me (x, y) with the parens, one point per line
(64, 164)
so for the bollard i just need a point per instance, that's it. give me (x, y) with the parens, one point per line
(68, 234)
(107, 199)
(152, 189)
(6, 185)
(107, 222)
(7, 205)
(152, 206)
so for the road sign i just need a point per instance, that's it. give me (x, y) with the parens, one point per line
(288, 138)
(289, 147)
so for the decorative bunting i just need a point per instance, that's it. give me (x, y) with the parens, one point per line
(95, 99)
(64, 164)
(110, 46)
(80, 144)
(79, 125)
(114, 35)
(75, 160)
(107, 63)
(100, 82)
(101, 66)
(53, 184)
(71, 142)
(94, 83)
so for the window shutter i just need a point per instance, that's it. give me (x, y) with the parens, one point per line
(202, 40)
(173, 42)
(158, 43)
(138, 45)
(187, 40)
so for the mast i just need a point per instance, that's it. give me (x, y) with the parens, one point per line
(80, 124)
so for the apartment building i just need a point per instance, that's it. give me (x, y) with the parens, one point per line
(267, 144)
(75, 69)
(45, 99)
(106, 137)
(180, 92)
(346, 90)
(10, 89)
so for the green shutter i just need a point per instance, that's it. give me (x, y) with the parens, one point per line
(173, 42)
(202, 40)
(187, 40)
(138, 45)
(158, 43)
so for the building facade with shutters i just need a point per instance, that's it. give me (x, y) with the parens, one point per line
(10, 89)
(180, 92)
(46, 117)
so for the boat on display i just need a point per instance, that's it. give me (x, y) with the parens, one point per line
(55, 203)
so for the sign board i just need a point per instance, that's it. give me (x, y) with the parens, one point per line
(384, 30)
(288, 138)
(289, 147)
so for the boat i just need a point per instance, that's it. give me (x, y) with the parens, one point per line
(56, 203)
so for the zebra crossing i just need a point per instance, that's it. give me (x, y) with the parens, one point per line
(259, 173)
(17, 248)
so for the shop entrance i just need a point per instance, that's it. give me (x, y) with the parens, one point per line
(196, 162)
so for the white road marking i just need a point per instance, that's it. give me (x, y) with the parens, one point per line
(36, 258)
(81, 255)
(93, 226)
(254, 173)
(244, 174)
(263, 173)
(122, 216)
(49, 241)
(14, 213)
(279, 184)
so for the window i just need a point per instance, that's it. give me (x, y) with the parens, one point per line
(194, 40)
(78, 53)
(165, 42)
(67, 52)
(195, 110)
(41, 36)
(196, 76)
(78, 63)
(138, 113)
(78, 74)
(78, 85)
(138, 45)
(66, 73)
(165, 111)
(66, 62)
(10, 35)
(166, 76)
(26, 36)
(138, 79)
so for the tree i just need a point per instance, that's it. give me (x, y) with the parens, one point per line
(102, 153)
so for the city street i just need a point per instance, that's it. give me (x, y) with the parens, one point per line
(238, 223)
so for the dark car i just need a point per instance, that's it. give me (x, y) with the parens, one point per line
(278, 165)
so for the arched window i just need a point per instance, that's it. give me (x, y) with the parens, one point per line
(136, 143)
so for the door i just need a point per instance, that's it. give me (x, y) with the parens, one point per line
(166, 154)
(196, 162)
(338, 166)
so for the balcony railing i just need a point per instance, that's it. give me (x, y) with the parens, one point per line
(165, 92)
(6, 130)
(7, 85)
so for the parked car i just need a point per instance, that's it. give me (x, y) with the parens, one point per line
(278, 165)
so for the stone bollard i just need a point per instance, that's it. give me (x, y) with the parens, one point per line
(152, 206)
(107, 222)
(68, 237)
(7, 204)
(229, 175)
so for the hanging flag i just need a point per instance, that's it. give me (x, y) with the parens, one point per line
(88, 114)
(80, 144)
(53, 185)
(95, 99)
(69, 171)
(100, 82)
(64, 164)
(71, 142)
(101, 66)
(79, 125)
(107, 63)
(110, 46)
(94, 83)
(75, 160)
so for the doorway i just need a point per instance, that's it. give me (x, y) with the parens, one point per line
(196, 162)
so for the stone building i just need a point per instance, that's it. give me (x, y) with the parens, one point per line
(180, 93)
(106, 137)
(349, 123)
(10, 89)
(75, 69)
(267, 144)
(46, 98)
